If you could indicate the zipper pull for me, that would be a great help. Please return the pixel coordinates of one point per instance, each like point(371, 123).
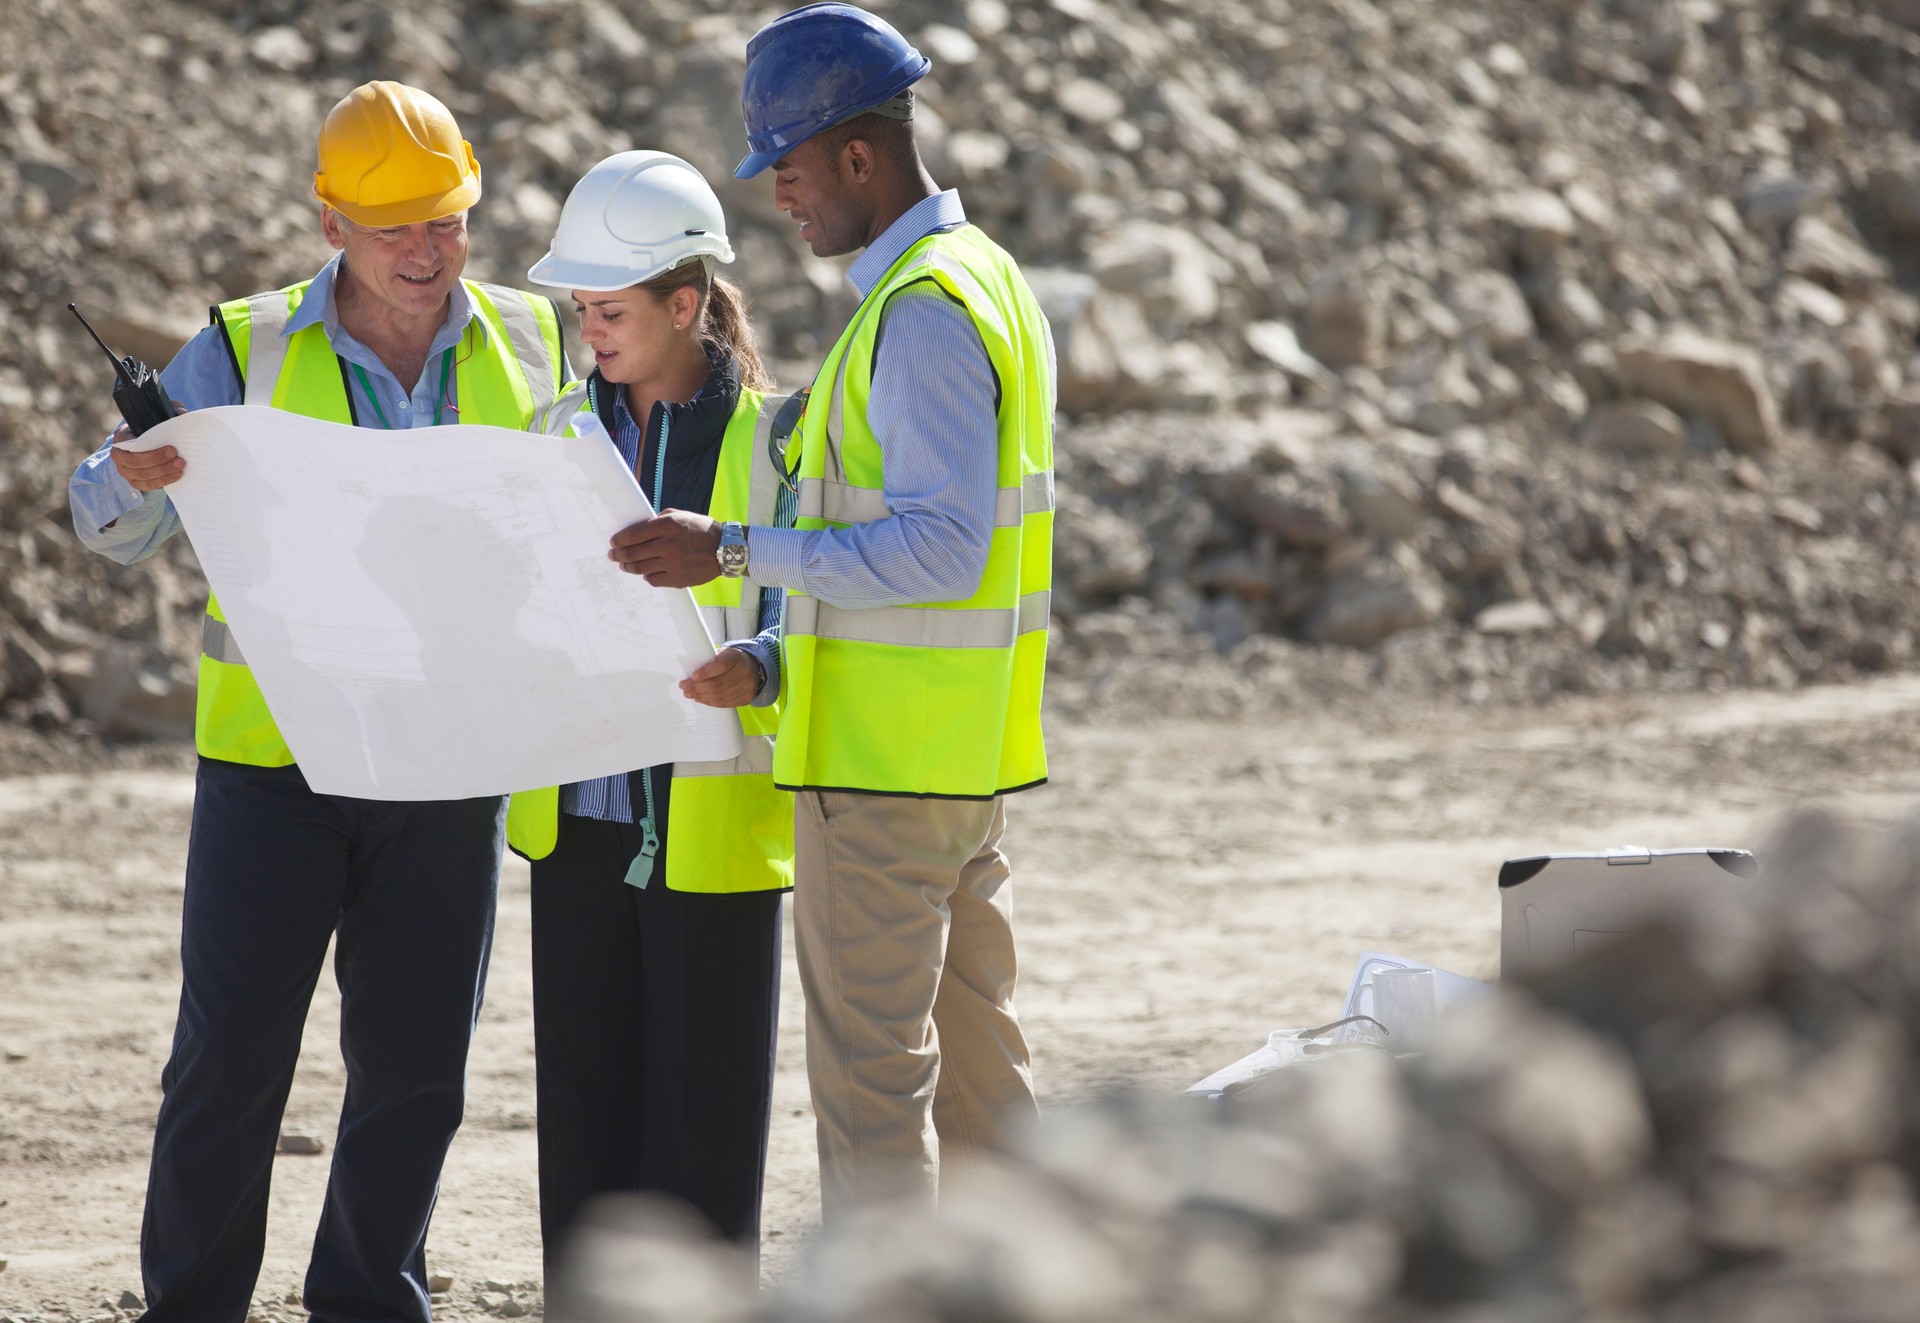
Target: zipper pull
point(640, 871)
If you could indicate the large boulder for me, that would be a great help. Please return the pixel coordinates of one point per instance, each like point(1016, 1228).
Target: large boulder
point(1635, 427)
point(1172, 274)
point(1490, 305)
point(1893, 190)
point(1375, 600)
point(1718, 380)
point(1100, 553)
point(1343, 326)
point(1108, 356)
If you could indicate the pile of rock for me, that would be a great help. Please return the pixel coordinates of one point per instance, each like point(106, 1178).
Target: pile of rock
point(1569, 241)
point(1469, 564)
point(1696, 1128)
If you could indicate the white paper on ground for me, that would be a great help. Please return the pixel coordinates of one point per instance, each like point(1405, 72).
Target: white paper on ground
point(1449, 989)
point(430, 613)
point(1284, 1048)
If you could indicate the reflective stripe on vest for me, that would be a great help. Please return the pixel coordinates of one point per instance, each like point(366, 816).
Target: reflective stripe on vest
point(938, 698)
point(267, 316)
point(731, 829)
point(526, 334)
point(919, 627)
point(841, 503)
point(217, 642)
point(755, 760)
point(498, 377)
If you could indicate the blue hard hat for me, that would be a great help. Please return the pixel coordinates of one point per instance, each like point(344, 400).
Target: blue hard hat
point(814, 67)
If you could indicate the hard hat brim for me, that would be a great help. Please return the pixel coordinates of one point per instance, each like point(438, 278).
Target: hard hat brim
point(754, 162)
point(558, 273)
point(413, 211)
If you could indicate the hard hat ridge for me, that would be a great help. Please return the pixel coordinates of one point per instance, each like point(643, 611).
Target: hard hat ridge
point(632, 217)
point(815, 67)
point(390, 154)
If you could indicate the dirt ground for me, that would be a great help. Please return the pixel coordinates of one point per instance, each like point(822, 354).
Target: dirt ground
point(1182, 889)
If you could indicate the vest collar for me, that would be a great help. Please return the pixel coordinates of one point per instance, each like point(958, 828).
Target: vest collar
point(929, 215)
point(693, 426)
point(317, 306)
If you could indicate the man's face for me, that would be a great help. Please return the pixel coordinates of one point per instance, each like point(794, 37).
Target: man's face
point(407, 269)
point(812, 187)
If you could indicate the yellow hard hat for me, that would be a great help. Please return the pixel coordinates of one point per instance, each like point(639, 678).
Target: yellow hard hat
point(391, 155)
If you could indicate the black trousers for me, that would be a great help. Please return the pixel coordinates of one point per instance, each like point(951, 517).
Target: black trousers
point(654, 1015)
point(273, 871)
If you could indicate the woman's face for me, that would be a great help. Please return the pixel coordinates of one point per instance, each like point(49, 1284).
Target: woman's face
point(631, 332)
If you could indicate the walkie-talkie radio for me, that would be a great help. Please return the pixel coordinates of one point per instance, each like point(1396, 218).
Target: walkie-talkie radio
point(142, 400)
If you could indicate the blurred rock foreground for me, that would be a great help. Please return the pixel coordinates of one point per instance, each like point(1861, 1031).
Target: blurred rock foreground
point(1705, 1128)
point(1500, 349)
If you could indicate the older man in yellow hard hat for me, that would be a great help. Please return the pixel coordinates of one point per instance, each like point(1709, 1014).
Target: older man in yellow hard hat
point(387, 335)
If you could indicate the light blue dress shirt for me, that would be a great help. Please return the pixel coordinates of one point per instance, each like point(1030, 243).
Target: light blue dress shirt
point(934, 411)
point(115, 520)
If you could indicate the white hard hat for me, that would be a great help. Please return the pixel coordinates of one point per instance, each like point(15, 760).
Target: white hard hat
point(631, 217)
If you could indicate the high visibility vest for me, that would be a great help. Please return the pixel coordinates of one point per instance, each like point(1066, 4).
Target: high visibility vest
point(730, 829)
point(505, 381)
point(938, 698)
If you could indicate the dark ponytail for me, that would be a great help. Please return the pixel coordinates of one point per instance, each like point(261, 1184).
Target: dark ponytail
point(723, 314)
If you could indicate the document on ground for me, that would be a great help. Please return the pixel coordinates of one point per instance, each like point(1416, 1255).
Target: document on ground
point(430, 613)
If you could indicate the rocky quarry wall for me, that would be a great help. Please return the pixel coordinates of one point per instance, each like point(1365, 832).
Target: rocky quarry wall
point(1406, 346)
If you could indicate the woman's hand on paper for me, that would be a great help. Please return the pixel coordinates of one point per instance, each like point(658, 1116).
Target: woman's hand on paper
point(730, 679)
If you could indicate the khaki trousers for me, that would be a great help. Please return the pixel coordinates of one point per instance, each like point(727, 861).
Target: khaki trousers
point(903, 930)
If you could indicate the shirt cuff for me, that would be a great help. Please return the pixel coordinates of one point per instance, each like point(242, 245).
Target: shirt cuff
point(102, 498)
point(777, 556)
point(769, 670)
point(126, 509)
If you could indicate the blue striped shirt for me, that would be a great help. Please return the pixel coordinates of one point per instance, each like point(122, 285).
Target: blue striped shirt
point(610, 798)
point(933, 410)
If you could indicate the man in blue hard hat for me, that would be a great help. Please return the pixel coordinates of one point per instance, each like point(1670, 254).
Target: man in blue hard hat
point(918, 578)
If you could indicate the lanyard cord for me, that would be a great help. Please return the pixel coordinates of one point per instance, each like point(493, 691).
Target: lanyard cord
point(660, 456)
point(440, 400)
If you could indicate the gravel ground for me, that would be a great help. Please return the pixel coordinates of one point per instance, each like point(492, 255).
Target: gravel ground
point(1183, 888)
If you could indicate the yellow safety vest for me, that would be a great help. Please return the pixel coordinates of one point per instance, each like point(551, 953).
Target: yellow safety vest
point(504, 379)
point(731, 829)
point(939, 698)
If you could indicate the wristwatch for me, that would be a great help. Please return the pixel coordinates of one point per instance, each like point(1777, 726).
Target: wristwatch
point(759, 671)
point(732, 551)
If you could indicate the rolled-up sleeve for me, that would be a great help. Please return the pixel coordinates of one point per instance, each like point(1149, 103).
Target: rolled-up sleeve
point(109, 516)
point(934, 412)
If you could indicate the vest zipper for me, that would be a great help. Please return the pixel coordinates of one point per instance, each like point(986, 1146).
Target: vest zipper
point(640, 871)
point(660, 462)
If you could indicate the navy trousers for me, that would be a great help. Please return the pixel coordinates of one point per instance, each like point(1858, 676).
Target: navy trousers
point(654, 1015)
point(273, 871)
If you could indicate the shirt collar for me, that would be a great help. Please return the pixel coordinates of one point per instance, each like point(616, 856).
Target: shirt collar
point(719, 392)
point(318, 306)
point(942, 211)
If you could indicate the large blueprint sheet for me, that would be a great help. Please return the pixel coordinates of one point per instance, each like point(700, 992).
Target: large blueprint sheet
point(431, 613)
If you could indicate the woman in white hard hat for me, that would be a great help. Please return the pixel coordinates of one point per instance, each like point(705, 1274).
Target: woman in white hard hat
point(656, 954)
